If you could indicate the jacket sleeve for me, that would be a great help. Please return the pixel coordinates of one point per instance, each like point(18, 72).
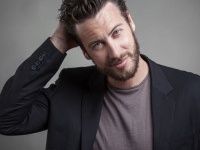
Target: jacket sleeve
point(23, 100)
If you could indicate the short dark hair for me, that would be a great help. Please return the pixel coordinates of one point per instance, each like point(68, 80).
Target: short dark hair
point(73, 12)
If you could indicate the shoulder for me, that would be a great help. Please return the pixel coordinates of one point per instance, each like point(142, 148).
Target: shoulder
point(178, 79)
point(78, 72)
point(79, 75)
point(174, 76)
point(181, 77)
point(185, 83)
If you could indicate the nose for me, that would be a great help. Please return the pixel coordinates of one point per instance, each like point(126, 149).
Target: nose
point(113, 50)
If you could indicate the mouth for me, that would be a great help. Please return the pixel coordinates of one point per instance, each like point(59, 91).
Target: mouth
point(120, 63)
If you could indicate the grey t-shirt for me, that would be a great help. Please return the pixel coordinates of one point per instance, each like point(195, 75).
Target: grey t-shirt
point(125, 122)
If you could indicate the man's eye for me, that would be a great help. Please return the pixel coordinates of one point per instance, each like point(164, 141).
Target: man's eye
point(116, 32)
point(97, 45)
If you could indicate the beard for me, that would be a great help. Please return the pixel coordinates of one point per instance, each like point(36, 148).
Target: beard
point(122, 74)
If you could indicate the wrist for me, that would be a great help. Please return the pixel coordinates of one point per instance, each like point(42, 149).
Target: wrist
point(60, 44)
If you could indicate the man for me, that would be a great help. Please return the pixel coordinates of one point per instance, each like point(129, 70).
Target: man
point(124, 102)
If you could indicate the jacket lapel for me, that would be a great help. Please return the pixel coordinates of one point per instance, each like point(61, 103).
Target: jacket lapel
point(162, 115)
point(162, 107)
point(91, 110)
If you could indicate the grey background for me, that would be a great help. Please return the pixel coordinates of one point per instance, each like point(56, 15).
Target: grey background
point(167, 30)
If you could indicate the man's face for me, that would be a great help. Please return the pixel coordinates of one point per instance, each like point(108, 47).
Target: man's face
point(110, 42)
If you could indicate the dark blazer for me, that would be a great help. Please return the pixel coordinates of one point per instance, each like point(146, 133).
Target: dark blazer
point(70, 109)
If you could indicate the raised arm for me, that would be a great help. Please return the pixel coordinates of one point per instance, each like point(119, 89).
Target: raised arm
point(23, 101)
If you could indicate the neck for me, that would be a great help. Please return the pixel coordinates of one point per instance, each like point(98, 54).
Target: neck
point(139, 76)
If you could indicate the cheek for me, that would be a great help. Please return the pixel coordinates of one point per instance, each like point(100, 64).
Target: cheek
point(126, 42)
point(99, 58)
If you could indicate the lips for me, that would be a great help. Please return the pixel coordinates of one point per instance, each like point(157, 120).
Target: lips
point(119, 63)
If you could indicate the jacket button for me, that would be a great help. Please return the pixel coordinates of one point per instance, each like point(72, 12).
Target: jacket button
point(33, 67)
point(41, 58)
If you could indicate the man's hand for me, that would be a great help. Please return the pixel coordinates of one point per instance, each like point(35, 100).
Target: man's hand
point(62, 40)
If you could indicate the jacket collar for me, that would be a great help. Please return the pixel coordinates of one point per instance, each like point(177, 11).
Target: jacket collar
point(158, 78)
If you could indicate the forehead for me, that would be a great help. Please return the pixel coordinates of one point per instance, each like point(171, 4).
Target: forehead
point(104, 21)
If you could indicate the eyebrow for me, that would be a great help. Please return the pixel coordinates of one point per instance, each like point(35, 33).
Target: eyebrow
point(96, 41)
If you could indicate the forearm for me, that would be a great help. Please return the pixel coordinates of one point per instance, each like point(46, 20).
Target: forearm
point(21, 93)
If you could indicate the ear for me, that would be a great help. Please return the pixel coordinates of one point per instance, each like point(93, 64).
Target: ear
point(86, 55)
point(130, 21)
